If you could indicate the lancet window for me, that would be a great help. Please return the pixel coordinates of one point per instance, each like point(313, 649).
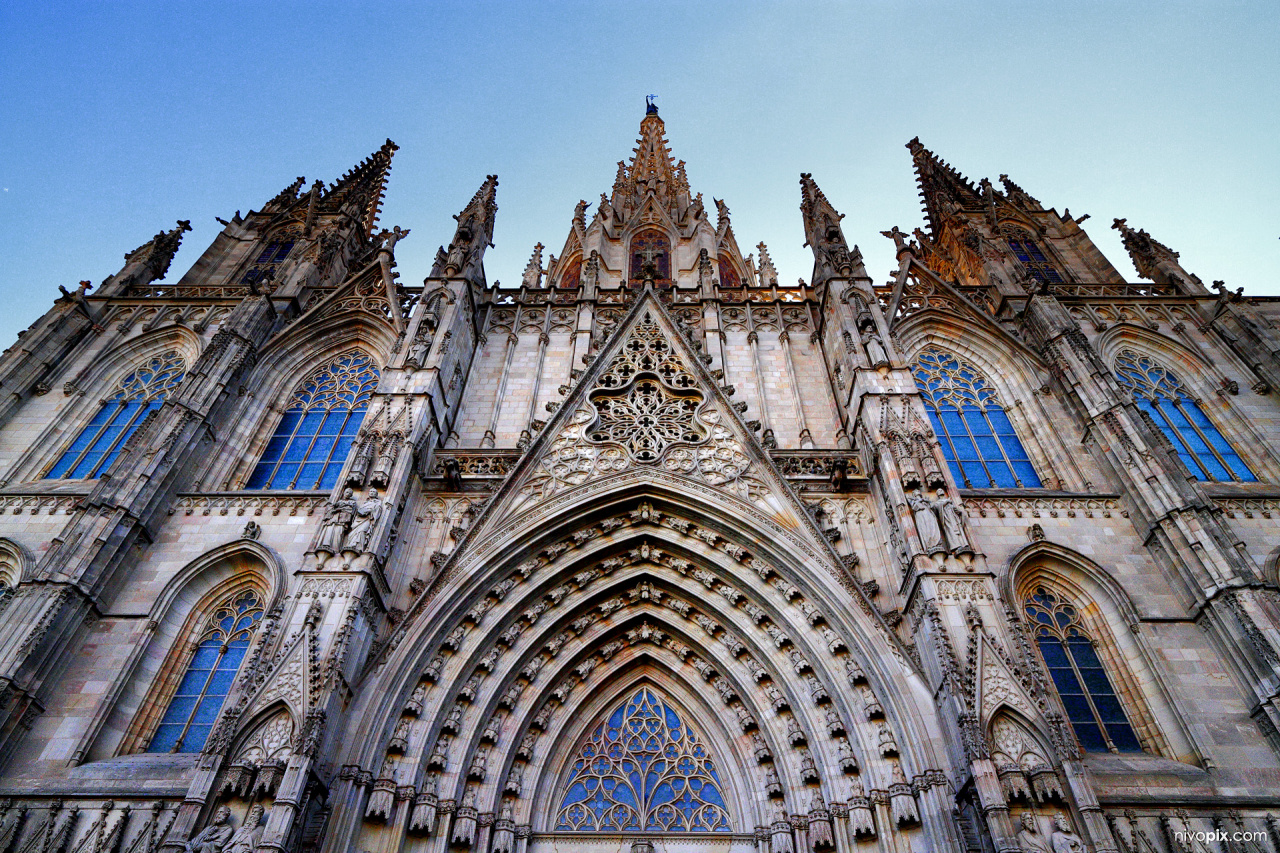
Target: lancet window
point(1027, 250)
point(268, 261)
point(310, 444)
point(1161, 394)
point(138, 395)
point(219, 650)
point(643, 770)
point(978, 440)
point(1071, 655)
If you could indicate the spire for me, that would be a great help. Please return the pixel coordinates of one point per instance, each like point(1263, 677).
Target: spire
point(768, 272)
point(288, 195)
point(474, 232)
point(942, 187)
point(157, 253)
point(823, 233)
point(1152, 259)
point(533, 270)
point(362, 187)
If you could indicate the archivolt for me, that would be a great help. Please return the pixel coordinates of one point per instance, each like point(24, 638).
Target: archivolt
point(501, 667)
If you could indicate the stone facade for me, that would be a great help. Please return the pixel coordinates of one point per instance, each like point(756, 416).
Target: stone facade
point(649, 493)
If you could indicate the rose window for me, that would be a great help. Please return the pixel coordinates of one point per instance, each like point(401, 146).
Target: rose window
point(646, 419)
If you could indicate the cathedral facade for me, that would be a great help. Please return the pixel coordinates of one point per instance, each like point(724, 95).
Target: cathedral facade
point(648, 552)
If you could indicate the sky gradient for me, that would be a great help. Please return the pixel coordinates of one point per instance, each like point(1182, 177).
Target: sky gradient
point(118, 119)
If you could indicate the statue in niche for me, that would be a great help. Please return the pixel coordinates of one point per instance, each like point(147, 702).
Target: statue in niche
point(953, 522)
point(1063, 839)
point(213, 837)
point(926, 519)
point(246, 838)
point(420, 347)
point(1030, 838)
point(337, 520)
point(367, 514)
point(877, 356)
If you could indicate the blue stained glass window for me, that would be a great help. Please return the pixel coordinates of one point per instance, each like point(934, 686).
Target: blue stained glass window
point(1092, 706)
point(643, 770)
point(1161, 394)
point(1028, 251)
point(268, 260)
point(139, 394)
point(311, 441)
point(977, 438)
point(218, 654)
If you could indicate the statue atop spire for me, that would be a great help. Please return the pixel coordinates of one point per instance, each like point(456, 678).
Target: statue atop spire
point(831, 256)
point(465, 255)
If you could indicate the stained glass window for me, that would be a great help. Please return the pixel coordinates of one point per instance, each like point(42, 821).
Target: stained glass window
point(643, 770)
point(99, 443)
point(310, 443)
point(650, 247)
point(1095, 712)
point(1160, 394)
point(1027, 250)
point(219, 651)
point(977, 438)
point(269, 259)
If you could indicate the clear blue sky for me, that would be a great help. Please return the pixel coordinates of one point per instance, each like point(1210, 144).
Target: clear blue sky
point(119, 118)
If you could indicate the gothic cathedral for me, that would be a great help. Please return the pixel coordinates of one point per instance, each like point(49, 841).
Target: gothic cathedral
point(651, 552)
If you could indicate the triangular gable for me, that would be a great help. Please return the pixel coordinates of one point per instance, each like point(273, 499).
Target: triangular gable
point(368, 290)
point(646, 400)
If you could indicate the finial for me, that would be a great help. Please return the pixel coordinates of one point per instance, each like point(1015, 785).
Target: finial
point(650, 108)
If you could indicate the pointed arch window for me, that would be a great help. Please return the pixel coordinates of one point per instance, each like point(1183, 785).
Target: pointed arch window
point(138, 395)
point(310, 444)
point(643, 770)
point(268, 261)
point(1071, 655)
point(219, 651)
point(1027, 250)
point(978, 440)
point(1161, 394)
point(650, 256)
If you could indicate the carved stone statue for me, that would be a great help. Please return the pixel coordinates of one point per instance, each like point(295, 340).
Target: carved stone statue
point(1063, 839)
point(337, 520)
point(953, 521)
point(246, 838)
point(213, 837)
point(420, 347)
point(367, 514)
point(876, 354)
point(926, 523)
point(1030, 839)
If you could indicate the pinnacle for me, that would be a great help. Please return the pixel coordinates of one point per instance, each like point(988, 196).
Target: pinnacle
point(938, 180)
point(364, 185)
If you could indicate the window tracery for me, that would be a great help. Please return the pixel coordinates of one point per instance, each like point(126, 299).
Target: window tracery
point(1161, 394)
point(269, 260)
point(643, 769)
point(978, 440)
point(310, 444)
point(139, 394)
point(1095, 712)
point(1027, 250)
point(219, 651)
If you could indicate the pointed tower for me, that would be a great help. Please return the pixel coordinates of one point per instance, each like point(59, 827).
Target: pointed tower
point(1155, 261)
point(465, 256)
point(299, 241)
point(823, 234)
point(1003, 241)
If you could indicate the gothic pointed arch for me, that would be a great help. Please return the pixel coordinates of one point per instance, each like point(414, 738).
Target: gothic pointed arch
point(119, 416)
point(978, 439)
point(1069, 604)
point(318, 426)
point(183, 615)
